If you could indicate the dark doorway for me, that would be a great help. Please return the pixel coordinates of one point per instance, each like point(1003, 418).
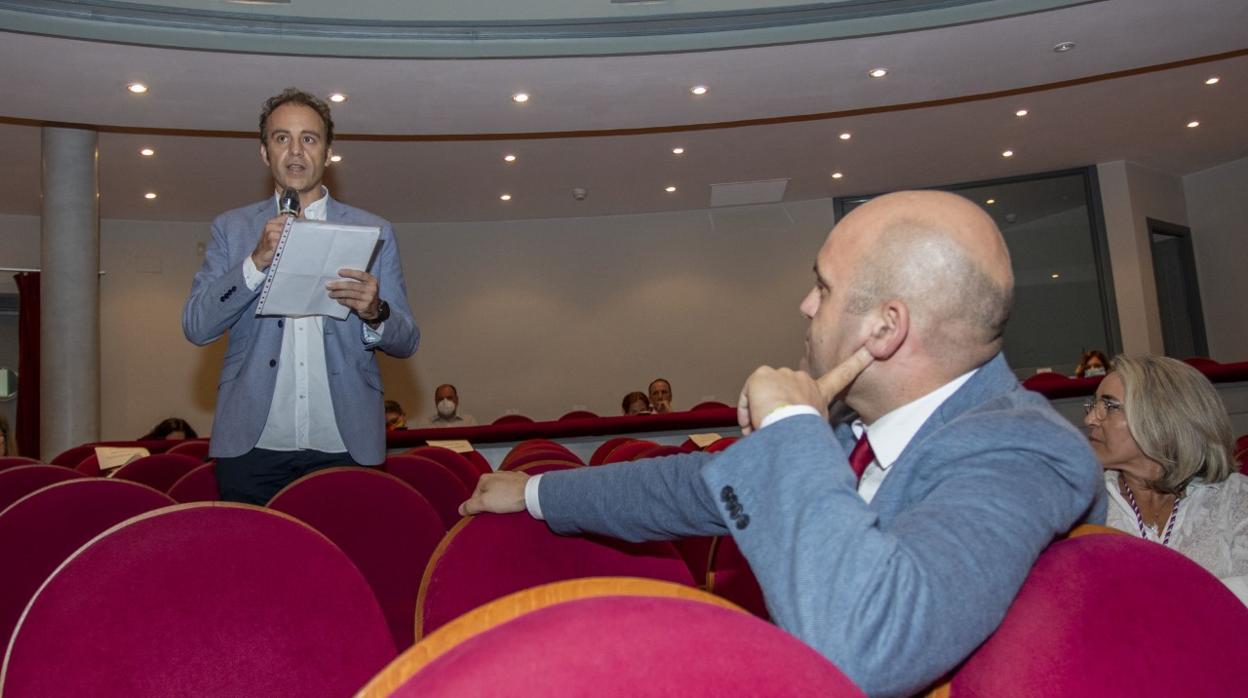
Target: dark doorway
point(1178, 292)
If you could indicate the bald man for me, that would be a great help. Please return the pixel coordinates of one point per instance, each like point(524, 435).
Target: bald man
point(893, 540)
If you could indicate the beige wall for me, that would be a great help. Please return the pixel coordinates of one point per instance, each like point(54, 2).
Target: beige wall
point(1130, 194)
point(1217, 201)
point(545, 316)
point(535, 316)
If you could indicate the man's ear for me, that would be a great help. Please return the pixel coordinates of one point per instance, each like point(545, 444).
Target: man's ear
point(264, 154)
point(329, 153)
point(890, 325)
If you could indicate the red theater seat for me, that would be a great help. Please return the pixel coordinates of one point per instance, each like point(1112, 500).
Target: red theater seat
point(544, 445)
point(212, 600)
point(158, 471)
point(600, 454)
point(730, 576)
point(489, 556)
point(538, 467)
point(513, 419)
point(20, 481)
point(199, 485)
point(70, 458)
point(578, 414)
point(631, 450)
point(89, 466)
point(660, 451)
point(13, 461)
point(434, 482)
point(721, 444)
point(384, 525)
point(535, 454)
point(1103, 615)
point(482, 465)
point(40, 530)
point(709, 405)
point(610, 638)
point(464, 469)
point(195, 448)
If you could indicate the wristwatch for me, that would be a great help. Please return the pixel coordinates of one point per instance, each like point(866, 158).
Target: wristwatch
point(383, 313)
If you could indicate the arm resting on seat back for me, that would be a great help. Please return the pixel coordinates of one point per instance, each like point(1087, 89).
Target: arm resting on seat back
point(652, 499)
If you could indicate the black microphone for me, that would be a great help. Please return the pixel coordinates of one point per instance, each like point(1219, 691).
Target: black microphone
point(289, 202)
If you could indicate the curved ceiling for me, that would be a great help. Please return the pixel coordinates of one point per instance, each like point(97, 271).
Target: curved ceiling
point(423, 140)
point(456, 29)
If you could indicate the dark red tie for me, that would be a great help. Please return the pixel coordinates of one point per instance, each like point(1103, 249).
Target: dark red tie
point(861, 456)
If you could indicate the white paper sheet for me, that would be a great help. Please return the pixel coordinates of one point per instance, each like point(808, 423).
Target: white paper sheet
point(309, 256)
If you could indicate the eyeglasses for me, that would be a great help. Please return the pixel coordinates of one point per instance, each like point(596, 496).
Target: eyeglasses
point(1101, 407)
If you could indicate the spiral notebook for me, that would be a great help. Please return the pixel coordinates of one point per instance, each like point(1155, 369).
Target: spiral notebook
point(309, 255)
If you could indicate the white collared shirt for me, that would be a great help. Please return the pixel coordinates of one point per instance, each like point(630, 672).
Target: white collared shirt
point(888, 436)
point(301, 415)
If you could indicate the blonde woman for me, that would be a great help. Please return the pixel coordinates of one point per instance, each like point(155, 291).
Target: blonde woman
point(1164, 439)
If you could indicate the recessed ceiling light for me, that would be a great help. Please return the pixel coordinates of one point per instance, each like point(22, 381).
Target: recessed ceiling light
point(505, 197)
point(1007, 153)
point(137, 88)
point(669, 189)
point(991, 201)
point(698, 90)
point(150, 195)
point(520, 97)
point(147, 152)
point(877, 72)
point(509, 157)
point(1213, 80)
point(1055, 276)
point(678, 151)
point(335, 158)
point(1021, 112)
point(337, 98)
point(846, 136)
point(837, 175)
point(1064, 46)
point(1193, 124)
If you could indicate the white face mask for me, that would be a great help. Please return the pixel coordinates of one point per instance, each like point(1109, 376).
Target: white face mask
point(1094, 372)
point(446, 407)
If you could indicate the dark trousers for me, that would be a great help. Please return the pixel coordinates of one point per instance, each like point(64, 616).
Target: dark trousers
point(257, 475)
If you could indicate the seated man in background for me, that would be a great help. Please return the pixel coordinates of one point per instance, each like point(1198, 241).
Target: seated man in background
point(894, 541)
point(660, 396)
point(636, 402)
point(446, 401)
point(396, 418)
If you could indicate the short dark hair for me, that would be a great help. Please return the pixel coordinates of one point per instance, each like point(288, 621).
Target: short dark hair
point(294, 95)
point(169, 426)
point(394, 406)
point(656, 380)
point(446, 385)
point(634, 397)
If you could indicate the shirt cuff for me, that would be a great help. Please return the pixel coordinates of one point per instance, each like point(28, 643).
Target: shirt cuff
point(371, 335)
point(531, 501)
point(786, 412)
point(252, 276)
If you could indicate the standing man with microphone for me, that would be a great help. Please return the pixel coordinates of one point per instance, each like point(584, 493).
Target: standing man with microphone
point(296, 394)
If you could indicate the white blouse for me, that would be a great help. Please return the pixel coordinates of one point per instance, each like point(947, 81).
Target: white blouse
point(1211, 528)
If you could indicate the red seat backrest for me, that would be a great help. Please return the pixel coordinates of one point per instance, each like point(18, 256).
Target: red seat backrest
point(383, 524)
point(463, 468)
point(444, 491)
point(20, 481)
point(600, 454)
point(489, 556)
point(40, 530)
point(159, 471)
point(211, 600)
point(199, 485)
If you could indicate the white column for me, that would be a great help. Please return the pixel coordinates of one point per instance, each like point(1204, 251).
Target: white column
point(69, 350)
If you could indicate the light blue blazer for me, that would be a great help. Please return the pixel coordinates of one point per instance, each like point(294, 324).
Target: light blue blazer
point(896, 592)
point(220, 302)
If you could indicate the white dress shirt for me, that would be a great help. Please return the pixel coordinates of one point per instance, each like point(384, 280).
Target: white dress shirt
point(301, 416)
point(888, 436)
